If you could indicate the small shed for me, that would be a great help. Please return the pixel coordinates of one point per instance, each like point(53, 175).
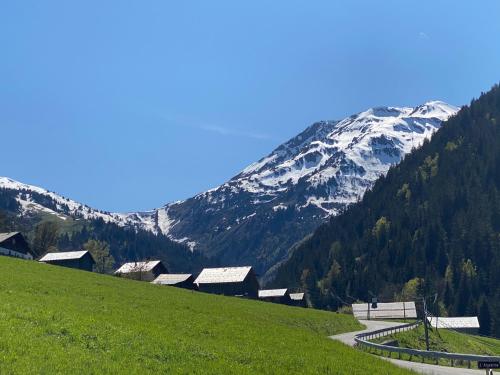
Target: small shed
point(298, 299)
point(82, 260)
point(13, 244)
point(179, 280)
point(275, 295)
point(230, 281)
point(466, 324)
point(142, 271)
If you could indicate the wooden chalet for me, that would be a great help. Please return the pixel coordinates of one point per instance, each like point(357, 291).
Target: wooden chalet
point(142, 271)
point(81, 260)
point(183, 280)
point(230, 281)
point(275, 295)
point(13, 244)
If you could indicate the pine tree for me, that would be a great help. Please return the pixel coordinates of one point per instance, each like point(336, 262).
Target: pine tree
point(484, 317)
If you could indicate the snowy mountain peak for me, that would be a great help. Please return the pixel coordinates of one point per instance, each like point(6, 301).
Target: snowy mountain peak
point(346, 155)
point(258, 214)
point(435, 109)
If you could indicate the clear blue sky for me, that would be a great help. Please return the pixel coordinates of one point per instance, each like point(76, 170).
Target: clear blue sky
point(127, 105)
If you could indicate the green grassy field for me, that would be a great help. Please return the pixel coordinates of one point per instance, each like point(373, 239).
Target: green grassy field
point(447, 341)
point(56, 320)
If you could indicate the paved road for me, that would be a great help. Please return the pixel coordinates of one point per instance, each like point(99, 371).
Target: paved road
point(421, 368)
point(371, 325)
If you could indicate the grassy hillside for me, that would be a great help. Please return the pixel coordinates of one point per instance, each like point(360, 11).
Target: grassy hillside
point(56, 320)
point(447, 341)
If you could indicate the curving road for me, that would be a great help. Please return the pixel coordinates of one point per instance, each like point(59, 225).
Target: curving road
point(421, 368)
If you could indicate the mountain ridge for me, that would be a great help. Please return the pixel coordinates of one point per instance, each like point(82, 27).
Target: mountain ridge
point(258, 214)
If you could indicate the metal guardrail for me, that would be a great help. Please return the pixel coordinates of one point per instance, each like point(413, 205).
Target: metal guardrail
point(361, 340)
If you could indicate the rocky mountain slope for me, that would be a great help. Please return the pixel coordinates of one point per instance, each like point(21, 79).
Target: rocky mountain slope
point(255, 217)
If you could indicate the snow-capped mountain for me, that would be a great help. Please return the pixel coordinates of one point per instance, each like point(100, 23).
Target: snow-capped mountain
point(338, 160)
point(256, 216)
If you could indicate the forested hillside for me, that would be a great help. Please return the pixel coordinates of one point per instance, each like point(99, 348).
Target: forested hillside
point(431, 225)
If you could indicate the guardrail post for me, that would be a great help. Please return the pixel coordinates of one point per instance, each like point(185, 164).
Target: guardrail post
point(452, 362)
point(468, 364)
point(399, 355)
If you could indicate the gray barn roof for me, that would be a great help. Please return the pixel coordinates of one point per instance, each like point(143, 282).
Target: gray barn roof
point(67, 255)
point(297, 296)
point(269, 293)
point(6, 236)
point(223, 275)
point(132, 267)
point(171, 279)
point(454, 322)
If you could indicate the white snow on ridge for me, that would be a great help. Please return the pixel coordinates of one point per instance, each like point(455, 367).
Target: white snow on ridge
point(155, 221)
point(68, 208)
point(63, 205)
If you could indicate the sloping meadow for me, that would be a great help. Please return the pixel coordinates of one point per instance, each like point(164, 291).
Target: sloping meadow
point(57, 320)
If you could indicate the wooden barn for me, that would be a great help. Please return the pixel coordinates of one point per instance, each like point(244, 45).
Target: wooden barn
point(230, 281)
point(179, 280)
point(13, 244)
point(298, 299)
point(142, 271)
point(82, 260)
point(275, 295)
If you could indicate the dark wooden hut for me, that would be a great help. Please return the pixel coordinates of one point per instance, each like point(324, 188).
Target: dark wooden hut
point(82, 260)
point(275, 295)
point(298, 299)
point(13, 244)
point(183, 280)
point(230, 281)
